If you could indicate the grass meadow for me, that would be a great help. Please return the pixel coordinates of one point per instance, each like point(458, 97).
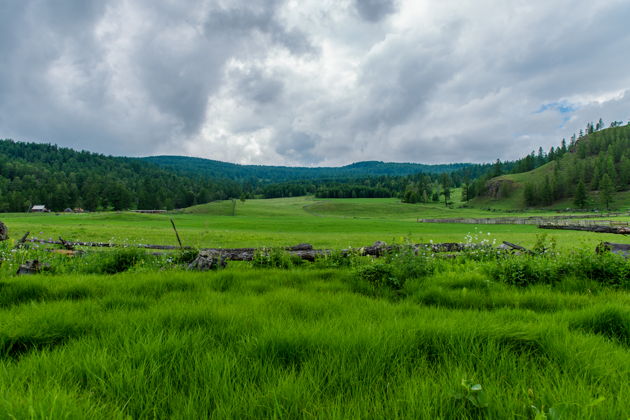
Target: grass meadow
point(335, 223)
point(480, 336)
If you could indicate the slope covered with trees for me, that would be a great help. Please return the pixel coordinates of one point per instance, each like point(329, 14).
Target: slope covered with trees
point(33, 173)
point(589, 172)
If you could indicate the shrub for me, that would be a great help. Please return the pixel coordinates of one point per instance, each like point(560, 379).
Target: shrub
point(549, 268)
point(379, 275)
point(524, 270)
point(606, 267)
point(407, 265)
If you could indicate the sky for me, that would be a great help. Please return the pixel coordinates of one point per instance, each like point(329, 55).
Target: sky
point(312, 82)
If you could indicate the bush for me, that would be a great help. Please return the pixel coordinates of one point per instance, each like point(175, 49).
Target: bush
point(379, 275)
point(525, 270)
point(407, 265)
point(395, 268)
point(606, 268)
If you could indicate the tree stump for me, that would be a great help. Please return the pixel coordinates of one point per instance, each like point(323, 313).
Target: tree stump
point(4, 232)
point(208, 260)
point(32, 267)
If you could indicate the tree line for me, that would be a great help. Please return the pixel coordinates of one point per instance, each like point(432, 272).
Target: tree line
point(60, 178)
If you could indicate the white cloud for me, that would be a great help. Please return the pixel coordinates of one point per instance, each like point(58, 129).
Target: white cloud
point(312, 82)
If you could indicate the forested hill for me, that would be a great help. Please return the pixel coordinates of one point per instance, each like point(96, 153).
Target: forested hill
point(592, 171)
point(271, 174)
point(35, 173)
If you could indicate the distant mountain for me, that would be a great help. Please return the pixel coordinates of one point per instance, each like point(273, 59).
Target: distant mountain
point(270, 174)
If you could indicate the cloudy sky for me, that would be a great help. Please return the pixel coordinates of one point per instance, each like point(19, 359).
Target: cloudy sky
point(312, 82)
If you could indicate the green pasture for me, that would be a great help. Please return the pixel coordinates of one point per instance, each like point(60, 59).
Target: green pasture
point(328, 223)
point(308, 343)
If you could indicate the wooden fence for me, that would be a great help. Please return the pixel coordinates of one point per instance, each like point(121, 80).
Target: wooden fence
point(533, 220)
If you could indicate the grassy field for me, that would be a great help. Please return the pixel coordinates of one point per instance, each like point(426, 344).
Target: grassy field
point(481, 336)
point(284, 222)
point(307, 343)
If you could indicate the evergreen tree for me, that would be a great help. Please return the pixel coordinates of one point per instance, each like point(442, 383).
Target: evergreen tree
point(581, 199)
point(530, 195)
point(547, 192)
point(497, 169)
point(606, 191)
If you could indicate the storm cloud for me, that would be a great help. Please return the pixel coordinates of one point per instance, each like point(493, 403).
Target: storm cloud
point(312, 82)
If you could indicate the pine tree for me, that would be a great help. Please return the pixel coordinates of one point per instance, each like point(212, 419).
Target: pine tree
point(581, 199)
point(530, 195)
point(606, 191)
point(547, 192)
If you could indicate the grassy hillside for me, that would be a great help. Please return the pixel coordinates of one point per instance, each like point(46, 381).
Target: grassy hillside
point(593, 160)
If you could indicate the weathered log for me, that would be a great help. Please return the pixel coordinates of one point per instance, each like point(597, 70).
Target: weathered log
point(22, 240)
point(4, 232)
point(300, 247)
point(67, 245)
point(304, 251)
point(619, 249)
point(517, 247)
point(104, 244)
point(621, 230)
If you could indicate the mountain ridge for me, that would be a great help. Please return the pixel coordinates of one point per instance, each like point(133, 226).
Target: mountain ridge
point(276, 173)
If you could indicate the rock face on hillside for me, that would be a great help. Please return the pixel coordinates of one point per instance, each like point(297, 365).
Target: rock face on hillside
point(500, 188)
point(4, 232)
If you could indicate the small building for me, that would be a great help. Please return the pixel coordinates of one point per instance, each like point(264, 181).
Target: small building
point(39, 208)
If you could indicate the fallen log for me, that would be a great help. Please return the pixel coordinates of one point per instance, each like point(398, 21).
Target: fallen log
point(104, 244)
point(304, 251)
point(620, 230)
point(619, 249)
point(67, 245)
point(22, 240)
point(517, 247)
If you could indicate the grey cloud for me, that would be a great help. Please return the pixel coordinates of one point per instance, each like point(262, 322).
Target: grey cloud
point(258, 87)
point(375, 10)
point(250, 18)
point(302, 83)
point(298, 146)
point(402, 77)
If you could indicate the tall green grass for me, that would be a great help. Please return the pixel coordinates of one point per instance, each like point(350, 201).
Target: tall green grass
point(306, 343)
